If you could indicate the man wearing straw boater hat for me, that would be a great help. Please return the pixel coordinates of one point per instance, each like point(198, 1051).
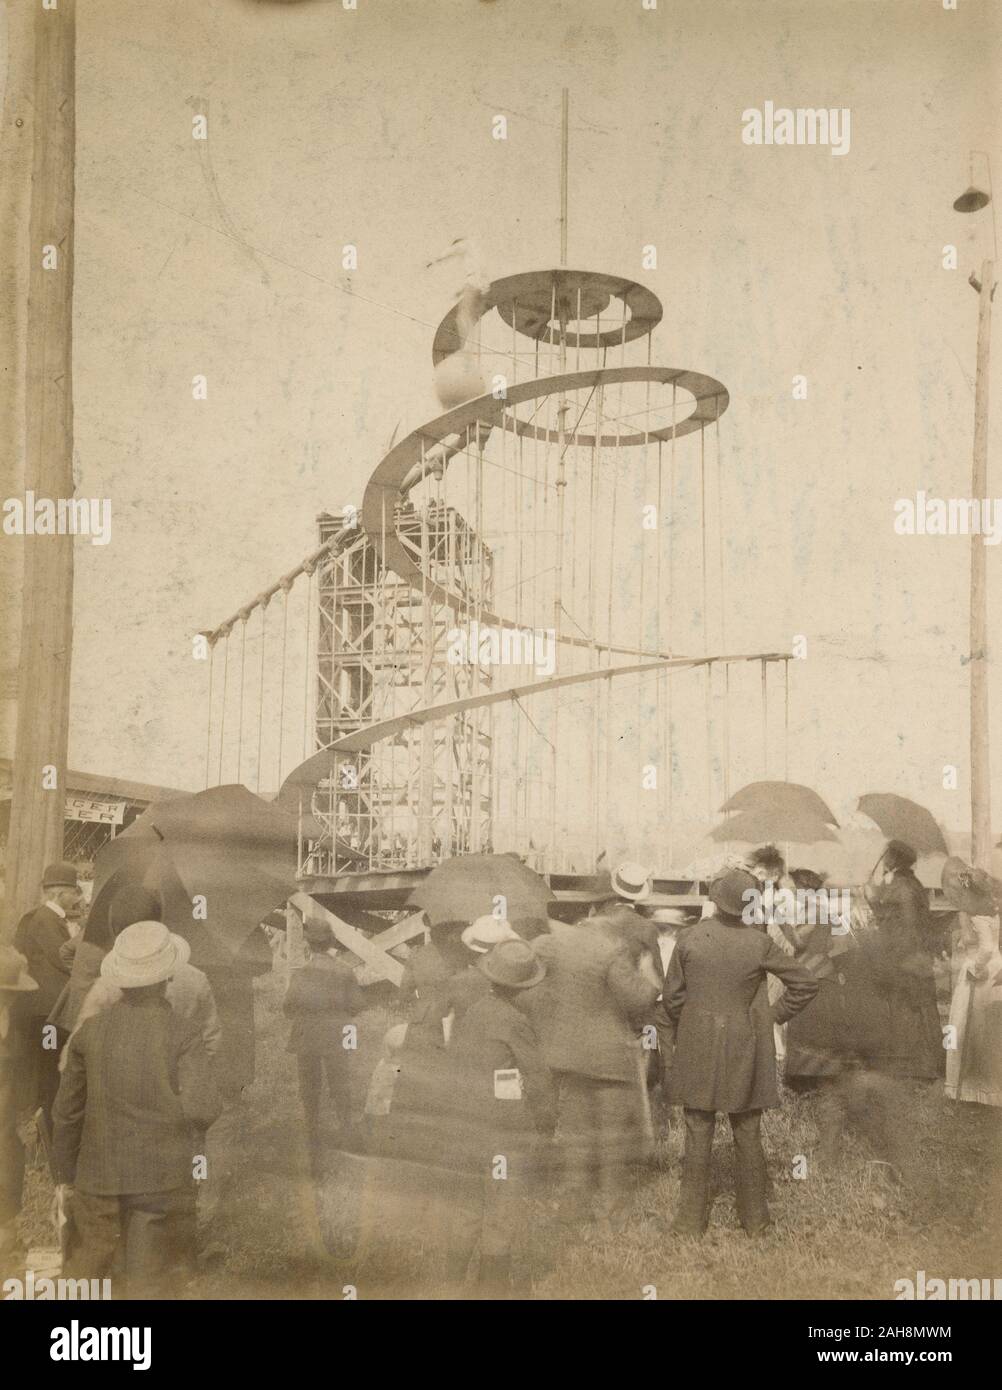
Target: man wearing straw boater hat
point(128, 1124)
point(14, 981)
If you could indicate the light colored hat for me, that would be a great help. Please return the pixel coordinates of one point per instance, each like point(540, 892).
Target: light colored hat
point(486, 932)
point(13, 975)
point(632, 881)
point(144, 954)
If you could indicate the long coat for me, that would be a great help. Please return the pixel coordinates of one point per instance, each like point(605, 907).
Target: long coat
point(188, 993)
point(424, 1091)
point(39, 936)
point(493, 1036)
point(85, 971)
point(904, 945)
point(136, 1091)
point(847, 1022)
point(597, 1000)
point(724, 1048)
point(322, 997)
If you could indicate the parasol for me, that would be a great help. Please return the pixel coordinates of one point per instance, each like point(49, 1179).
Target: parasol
point(225, 844)
point(901, 819)
point(463, 889)
point(786, 811)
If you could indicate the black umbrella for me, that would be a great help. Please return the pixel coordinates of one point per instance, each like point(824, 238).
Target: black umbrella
point(225, 845)
point(470, 886)
point(785, 811)
point(901, 819)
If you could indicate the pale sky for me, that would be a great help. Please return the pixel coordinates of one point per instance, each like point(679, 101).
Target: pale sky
point(373, 127)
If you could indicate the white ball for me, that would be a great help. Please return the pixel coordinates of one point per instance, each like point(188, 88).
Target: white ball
point(458, 378)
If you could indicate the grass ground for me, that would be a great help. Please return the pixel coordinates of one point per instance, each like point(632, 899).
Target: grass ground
point(848, 1236)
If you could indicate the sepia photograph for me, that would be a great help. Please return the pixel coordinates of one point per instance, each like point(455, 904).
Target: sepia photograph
point(500, 667)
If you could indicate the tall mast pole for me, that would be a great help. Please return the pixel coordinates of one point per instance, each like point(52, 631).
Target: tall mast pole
point(564, 108)
point(981, 813)
point(39, 775)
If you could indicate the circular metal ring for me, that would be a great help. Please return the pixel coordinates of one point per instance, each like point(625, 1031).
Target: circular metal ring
point(405, 465)
point(529, 303)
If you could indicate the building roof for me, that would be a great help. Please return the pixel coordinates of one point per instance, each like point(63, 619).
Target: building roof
point(144, 792)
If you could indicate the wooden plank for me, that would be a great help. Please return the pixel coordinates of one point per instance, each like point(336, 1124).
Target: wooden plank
point(407, 930)
point(367, 951)
point(36, 818)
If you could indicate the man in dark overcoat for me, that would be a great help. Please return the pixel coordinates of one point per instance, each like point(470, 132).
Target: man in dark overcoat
point(504, 1098)
point(43, 936)
point(323, 999)
point(724, 1049)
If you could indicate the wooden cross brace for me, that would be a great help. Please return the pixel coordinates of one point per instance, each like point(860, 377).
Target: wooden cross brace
point(373, 952)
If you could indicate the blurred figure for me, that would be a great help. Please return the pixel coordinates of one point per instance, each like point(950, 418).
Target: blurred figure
point(324, 998)
point(444, 980)
point(769, 868)
point(135, 1098)
point(835, 1045)
point(974, 1062)
point(188, 991)
point(597, 1001)
point(907, 940)
point(505, 1097)
point(40, 937)
point(129, 905)
point(724, 1057)
point(14, 981)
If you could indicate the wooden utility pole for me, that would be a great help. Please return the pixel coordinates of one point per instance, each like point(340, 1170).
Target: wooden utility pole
point(981, 811)
point(39, 776)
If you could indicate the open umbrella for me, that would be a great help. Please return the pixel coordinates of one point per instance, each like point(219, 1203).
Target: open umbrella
point(784, 811)
point(788, 798)
point(901, 819)
point(462, 889)
point(757, 827)
point(225, 845)
point(136, 858)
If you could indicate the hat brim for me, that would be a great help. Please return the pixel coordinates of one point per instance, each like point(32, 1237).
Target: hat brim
point(137, 978)
point(977, 900)
point(637, 895)
point(538, 973)
point(23, 985)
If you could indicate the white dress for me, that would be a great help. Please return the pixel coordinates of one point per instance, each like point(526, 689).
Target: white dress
point(974, 1060)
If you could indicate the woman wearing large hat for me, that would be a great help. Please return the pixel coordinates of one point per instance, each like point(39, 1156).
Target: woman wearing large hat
point(974, 1042)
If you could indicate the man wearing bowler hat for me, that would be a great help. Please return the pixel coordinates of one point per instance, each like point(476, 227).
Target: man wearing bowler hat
point(128, 1123)
point(724, 1053)
point(40, 936)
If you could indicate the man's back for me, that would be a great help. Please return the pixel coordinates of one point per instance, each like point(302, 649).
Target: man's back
point(598, 1000)
point(40, 933)
point(322, 997)
point(189, 994)
point(135, 1086)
